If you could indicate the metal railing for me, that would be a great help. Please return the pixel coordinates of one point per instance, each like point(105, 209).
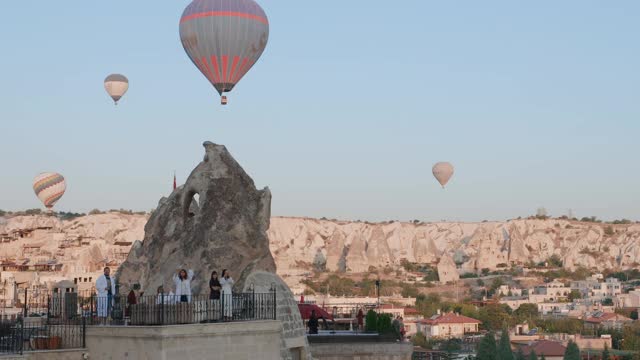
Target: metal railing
point(57, 320)
point(173, 310)
point(32, 333)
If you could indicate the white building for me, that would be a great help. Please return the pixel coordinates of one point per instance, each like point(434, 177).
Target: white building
point(554, 308)
point(551, 292)
point(508, 290)
point(630, 300)
point(448, 326)
point(596, 290)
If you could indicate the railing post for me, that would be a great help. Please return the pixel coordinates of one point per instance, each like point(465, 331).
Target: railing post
point(25, 302)
point(162, 308)
point(21, 341)
point(275, 298)
point(91, 307)
point(84, 332)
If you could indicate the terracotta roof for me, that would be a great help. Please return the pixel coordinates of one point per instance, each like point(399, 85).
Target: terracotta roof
point(410, 311)
point(546, 348)
point(602, 317)
point(450, 318)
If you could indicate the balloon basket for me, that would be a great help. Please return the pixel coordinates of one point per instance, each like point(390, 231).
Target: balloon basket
point(223, 100)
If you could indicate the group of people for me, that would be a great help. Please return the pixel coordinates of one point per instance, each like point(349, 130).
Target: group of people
point(220, 290)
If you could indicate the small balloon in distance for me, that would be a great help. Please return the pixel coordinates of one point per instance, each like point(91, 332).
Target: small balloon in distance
point(443, 171)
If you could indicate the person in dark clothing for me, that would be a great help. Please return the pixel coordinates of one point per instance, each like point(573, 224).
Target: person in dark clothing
point(131, 300)
point(214, 286)
point(215, 289)
point(313, 323)
point(360, 318)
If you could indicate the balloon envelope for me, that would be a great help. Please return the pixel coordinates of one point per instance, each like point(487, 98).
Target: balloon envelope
point(49, 188)
point(116, 86)
point(224, 38)
point(443, 171)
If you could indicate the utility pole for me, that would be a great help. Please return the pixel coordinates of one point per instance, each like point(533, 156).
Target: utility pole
point(378, 292)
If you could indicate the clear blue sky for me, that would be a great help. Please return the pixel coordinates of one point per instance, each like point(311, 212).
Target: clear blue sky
point(536, 104)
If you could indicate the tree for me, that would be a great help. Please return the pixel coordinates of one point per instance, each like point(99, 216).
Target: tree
point(371, 322)
point(554, 261)
point(572, 352)
point(519, 355)
point(605, 353)
point(542, 357)
point(384, 324)
point(497, 282)
point(487, 348)
point(607, 302)
point(575, 294)
point(526, 312)
point(504, 346)
point(533, 355)
point(419, 340)
point(495, 316)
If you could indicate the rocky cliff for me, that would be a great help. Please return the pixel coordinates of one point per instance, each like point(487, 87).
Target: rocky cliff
point(81, 245)
point(301, 244)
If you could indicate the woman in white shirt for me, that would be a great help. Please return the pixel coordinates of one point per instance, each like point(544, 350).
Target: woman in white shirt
point(182, 279)
point(227, 294)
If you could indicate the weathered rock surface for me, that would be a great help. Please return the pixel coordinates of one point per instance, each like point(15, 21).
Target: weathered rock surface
point(447, 271)
point(81, 245)
point(217, 220)
point(299, 245)
point(303, 244)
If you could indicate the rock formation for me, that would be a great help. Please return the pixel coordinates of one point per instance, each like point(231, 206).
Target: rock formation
point(447, 271)
point(217, 220)
point(301, 244)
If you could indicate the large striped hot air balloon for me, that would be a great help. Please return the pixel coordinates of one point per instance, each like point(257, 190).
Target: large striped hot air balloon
point(224, 38)
point(49, 188)
point(443, 171)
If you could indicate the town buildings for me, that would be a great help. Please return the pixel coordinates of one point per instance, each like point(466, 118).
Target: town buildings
point(448, 325)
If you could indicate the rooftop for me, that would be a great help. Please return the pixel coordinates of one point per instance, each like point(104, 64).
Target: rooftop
point(450, 318)
point(545, 347)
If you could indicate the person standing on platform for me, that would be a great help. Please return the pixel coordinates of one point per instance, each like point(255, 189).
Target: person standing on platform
point(182, 279)
point(105, 290)
point(227, 294)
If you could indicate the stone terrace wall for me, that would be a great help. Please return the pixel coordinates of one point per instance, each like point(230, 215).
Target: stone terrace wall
point(255, 340)
point(362, 351)
point(294, 339)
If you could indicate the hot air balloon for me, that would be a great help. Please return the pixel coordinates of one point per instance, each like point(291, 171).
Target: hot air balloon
point(116, 86)
point(49, 188)
point(224, 38)
point(443, 172)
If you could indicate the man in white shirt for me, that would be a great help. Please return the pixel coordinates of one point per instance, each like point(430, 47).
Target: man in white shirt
point(105, 289)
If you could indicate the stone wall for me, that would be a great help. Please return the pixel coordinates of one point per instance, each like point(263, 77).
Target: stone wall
point(294, 343)
point(76, 354)
point(257, 340)
point(362, 351)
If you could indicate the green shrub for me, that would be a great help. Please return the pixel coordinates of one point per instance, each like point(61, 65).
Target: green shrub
point(371, 321)
point(384, 324)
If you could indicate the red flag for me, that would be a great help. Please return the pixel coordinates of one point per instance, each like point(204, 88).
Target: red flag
point(174, 181)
